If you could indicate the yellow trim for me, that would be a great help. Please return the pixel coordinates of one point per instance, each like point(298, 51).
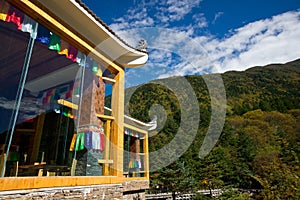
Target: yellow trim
point(135, 128)
point(67, 103)
point(22, 183)
point(117, 136)
point(101, 161)
point(27, 130)
point(105, 117)
point(109, 80)
point(146, 156)
point(107, 147)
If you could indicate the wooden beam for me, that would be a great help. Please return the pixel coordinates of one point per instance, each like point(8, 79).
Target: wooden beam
point(37, 138)
point(146, 156)
point(67, 104)
point(102, 161)
point(107, 147)
point(105, 117)
point(108, 80)
point(117, 137)
point(2, 166)
point(23, 183)
point(135, 128)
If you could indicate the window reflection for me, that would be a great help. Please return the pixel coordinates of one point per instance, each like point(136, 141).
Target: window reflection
point(50, 119)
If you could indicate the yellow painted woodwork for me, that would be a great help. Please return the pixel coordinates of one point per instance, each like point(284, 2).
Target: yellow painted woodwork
point(146, 156)
point(20, 183)
point(117, 136)
point(37, 138)
point(73, 167)
point(101, 161)
point(2, 166)
point(105, 117)
point(25, 130)
point(67, 104)
point(107, 146)
point(108, 80)
point(135, 128)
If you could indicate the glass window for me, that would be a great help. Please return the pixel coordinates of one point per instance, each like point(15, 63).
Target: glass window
point(49, 124)
point(13, 48)
point(133, 154)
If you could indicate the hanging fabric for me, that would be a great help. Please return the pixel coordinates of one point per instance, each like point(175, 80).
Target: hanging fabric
point(76, 88)
point(80, 58)
point(54, 43)
point(64, 48)
point(4, 7)
point(79, 142)
point(28, 26)
point(43, 35)
point(139, 164)
point(73, 141)
point(15, 16)
point(88, 140)
point(72, 53)
point(130, 165)
point(102, 141)
point(96, 141)
point(96, 69)
point(89, 63)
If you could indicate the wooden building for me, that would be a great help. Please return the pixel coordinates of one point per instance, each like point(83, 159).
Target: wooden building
point(57, 130)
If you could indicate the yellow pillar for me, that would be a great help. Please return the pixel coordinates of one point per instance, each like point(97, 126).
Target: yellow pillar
point(146, 158)
point(107, 147)
point(117, 135)
point(37, 138)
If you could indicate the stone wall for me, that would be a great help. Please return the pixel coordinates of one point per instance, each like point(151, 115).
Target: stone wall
point(131, 190)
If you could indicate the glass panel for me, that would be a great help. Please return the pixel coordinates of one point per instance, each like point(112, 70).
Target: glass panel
point(133, 154)
point(142, 145)
point(46, 122)
point(126, 153)
point(57, 131)
point(13, 47)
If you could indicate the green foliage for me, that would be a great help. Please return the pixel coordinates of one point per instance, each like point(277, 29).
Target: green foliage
point(234, 195)
point(200, 197)
point(176, 178)
point(259, 145)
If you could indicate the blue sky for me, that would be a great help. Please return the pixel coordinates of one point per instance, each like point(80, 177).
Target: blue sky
point(204, 36)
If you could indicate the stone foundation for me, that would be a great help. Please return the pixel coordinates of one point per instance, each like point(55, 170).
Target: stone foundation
point(131, 190)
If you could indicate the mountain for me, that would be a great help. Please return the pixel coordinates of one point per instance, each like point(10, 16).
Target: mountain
point(259, 144)
point(273, 87)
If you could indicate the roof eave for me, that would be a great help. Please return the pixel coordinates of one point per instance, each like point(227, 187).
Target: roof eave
point(96, 32)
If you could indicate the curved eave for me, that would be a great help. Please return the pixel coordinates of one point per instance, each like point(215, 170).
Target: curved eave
point(79, 18)
point(136, 123)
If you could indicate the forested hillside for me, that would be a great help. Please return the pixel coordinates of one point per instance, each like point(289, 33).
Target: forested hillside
point(259, 147)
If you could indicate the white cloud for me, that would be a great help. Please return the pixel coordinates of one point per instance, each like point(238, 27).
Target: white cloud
point(199, 21)
point(217, 16)
point(272, 40)
point(175, 10)
point(157, 13)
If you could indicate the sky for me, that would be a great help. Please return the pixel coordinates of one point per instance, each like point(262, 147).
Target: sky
point(191, 37)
